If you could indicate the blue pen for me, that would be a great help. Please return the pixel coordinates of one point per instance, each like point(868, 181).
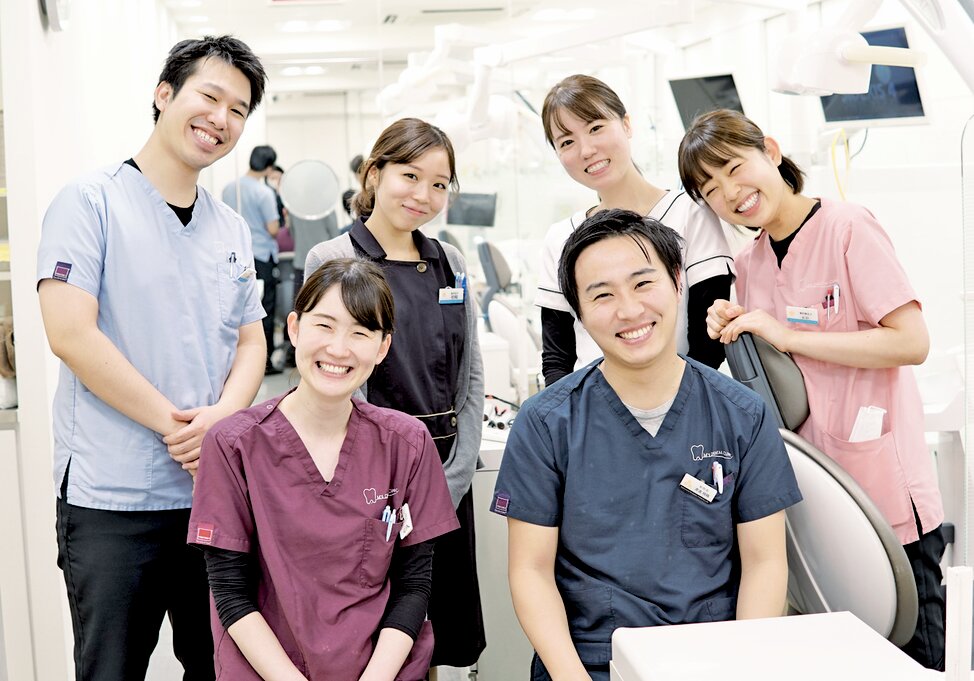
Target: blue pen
point(386, 512)
point(460, 281)
point(389, 521)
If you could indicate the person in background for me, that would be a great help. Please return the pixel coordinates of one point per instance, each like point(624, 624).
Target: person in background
point(317, 512)
point(645, 489)
point(823, 283)
point(434, 369)
point(257, 203)
point(147, 291)
point(587, 125)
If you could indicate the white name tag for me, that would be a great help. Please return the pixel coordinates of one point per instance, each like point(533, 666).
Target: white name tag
point(698, 488)
point(450, 295)
point(407, 522)
point(801, 315)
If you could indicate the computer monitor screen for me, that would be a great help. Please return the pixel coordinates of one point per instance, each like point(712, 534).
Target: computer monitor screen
point(893, 90)
point(695, 96)
point(476, 210)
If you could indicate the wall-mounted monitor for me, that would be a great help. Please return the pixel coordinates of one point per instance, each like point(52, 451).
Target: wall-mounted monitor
point(695, 96)
point(893, 96)
point(474, 210)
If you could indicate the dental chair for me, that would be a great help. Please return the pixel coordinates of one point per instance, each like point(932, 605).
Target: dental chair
point(842, 554)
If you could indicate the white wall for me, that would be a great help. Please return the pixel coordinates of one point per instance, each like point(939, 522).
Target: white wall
point(73, 101)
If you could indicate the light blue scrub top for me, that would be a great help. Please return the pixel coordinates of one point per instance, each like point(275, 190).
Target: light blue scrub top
point(167, 301)
point(634, 550)
point(258, 205)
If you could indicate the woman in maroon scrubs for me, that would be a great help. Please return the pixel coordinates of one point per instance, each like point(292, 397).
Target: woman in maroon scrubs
point(316, 511)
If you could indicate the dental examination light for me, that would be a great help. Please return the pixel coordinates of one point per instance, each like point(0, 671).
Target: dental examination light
point(837, 59)
point(487, 115)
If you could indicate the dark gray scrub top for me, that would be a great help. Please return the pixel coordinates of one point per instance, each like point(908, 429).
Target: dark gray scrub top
point(634, 549)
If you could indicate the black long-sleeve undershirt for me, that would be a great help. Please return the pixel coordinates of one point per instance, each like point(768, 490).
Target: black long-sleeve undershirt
point(558, 353)
point(233, 581)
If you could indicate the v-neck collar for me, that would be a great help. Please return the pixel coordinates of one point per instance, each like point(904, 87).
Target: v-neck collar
point(171, 219)
point(290, 438)
point(673, 415)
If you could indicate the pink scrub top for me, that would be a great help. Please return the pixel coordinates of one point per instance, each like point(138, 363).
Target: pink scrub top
point(844, 244)
point(322, 549)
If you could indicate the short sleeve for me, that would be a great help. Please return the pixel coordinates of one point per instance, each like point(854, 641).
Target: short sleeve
point(221, 514)
point(268, 205)
point(766, 482)
point(430, 506)
point(529, 485)
point(707, 251)
point(878, 281)
point(73, 239)
point(549, 293)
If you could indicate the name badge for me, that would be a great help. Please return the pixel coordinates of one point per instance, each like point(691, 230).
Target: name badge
point(407, 522)
point(450, 295)
point(698, 488)
point(801, 315)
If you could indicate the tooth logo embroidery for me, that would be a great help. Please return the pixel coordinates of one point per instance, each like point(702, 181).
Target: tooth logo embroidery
point(372, 496)
point(697, 453)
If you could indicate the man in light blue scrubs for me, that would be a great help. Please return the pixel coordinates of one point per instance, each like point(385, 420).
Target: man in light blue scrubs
point(645, 488)
point(254, 199)
point(148, 295)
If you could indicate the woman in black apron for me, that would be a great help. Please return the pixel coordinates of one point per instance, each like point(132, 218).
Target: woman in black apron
point(433, 370)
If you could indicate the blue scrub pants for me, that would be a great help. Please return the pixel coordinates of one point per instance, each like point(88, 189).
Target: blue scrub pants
point(124, 571)
point(539, 673)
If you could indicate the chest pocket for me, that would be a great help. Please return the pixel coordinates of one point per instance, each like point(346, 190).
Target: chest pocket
point(832, 315)
point(376, 551)
point(231, 291)
point(705, 525)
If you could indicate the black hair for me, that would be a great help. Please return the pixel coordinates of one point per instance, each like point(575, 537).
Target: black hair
point(715, 138)
point(277, 168)
point(185, 57)
point(262, 158)
point(355, 165)
point(608, 224)
point(365, 292)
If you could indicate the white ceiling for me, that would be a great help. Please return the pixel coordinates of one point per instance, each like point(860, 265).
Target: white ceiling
point(340, 45)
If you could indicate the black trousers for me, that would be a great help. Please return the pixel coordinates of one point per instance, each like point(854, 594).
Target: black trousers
point(124, 571)
point(454, 608)
point(927, 644)
point(268, 273)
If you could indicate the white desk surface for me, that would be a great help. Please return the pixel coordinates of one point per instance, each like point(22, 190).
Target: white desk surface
point(831, 647)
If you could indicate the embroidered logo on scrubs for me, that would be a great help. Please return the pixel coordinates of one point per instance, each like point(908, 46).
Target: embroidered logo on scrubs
point(372, 496)
point(696, 451)
point(501, 502)
point(204, 533)
point(61, 271)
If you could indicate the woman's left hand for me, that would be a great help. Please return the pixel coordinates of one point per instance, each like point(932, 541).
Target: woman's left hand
point(760, 323)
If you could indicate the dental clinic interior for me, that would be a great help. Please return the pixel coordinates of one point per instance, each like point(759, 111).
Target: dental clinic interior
point(872, 99)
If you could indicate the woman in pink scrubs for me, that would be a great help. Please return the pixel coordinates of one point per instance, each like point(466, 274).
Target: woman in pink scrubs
point(316, 511)
point(822, 282)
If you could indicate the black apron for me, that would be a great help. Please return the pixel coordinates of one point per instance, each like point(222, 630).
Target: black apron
point(419, 377)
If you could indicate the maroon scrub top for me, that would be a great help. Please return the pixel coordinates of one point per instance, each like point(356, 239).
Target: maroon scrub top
point(322, 549)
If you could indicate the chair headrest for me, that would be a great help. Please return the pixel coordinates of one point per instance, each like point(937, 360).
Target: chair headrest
point(772, 374)
point(494, 264)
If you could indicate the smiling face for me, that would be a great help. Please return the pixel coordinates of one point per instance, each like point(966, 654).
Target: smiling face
point(202, 122)
point(629, 307)
point(408, 195)
point(334, 353)
point(748, 189)
point(594, 153)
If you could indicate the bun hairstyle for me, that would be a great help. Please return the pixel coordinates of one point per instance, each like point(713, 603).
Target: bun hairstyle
point(713, 138)
point(585, 97)
point(402, 142)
